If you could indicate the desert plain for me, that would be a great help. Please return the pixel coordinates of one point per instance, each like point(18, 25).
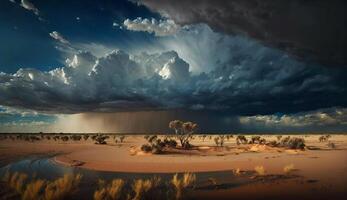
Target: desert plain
point(231, 170)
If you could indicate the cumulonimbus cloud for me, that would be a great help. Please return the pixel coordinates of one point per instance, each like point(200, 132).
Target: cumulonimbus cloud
point(262, 83)
point(303, 28)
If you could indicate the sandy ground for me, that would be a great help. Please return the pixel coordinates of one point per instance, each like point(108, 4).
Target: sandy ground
point(322, 168)
point(126, 156)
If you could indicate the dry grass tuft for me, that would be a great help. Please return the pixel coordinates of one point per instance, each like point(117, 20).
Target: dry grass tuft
point(42, 189)
point(61, 187)
point(288, 168)
point(109, 191)
point(181, 184)
point(237, 172)
point(33, 190)
point(16, 180)
point(260, 170)
point(100, 194)
point(142, 187)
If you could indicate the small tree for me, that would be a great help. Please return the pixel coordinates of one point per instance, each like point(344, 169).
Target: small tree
point(219, 140)
point(183, 131)
point(85, 137)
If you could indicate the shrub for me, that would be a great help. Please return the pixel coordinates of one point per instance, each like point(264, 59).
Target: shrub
point(272, 143)
point(85, 137)
point(324, 138)
point(241, 139)
point(151, 138)
point(157, 145)
point(170, 143)
point(292, 143)
point(146, 148)
point(64, 138)
point(219, 140)
point(100, 139)
point(331, 145)
point(257, 140)
point(76, 137)
point(121, 138)
point(284, 141)
point(94, 136)
point(56, 137)
point(296, 143)
point(204, 137)
point(229, 136)
point(288, 142)
point(33, 138)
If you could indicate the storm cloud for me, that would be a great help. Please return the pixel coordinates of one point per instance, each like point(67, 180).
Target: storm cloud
point(264, 82)
point(310, 30)
point(330, 119)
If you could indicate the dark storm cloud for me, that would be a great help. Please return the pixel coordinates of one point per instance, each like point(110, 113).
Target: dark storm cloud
point(331, 119)
point(310, 29)
point(254, 80)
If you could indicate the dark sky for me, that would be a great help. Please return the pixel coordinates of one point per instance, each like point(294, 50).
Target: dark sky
point(250, 65)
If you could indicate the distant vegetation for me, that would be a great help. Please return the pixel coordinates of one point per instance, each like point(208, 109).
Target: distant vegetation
point(184, 134)
point(219, 140)
point(324, 138)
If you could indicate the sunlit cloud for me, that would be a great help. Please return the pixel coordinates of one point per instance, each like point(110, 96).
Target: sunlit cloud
point(57, 36)
point(29, 6)
point(158, 27)
point(319, 118)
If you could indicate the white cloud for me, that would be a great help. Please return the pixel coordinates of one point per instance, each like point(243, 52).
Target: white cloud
point(159, 28)
point(113, 81)
point(175, 69)
point(14, 111)
point(29, 6)
point(57, 36)
point(96, 49)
